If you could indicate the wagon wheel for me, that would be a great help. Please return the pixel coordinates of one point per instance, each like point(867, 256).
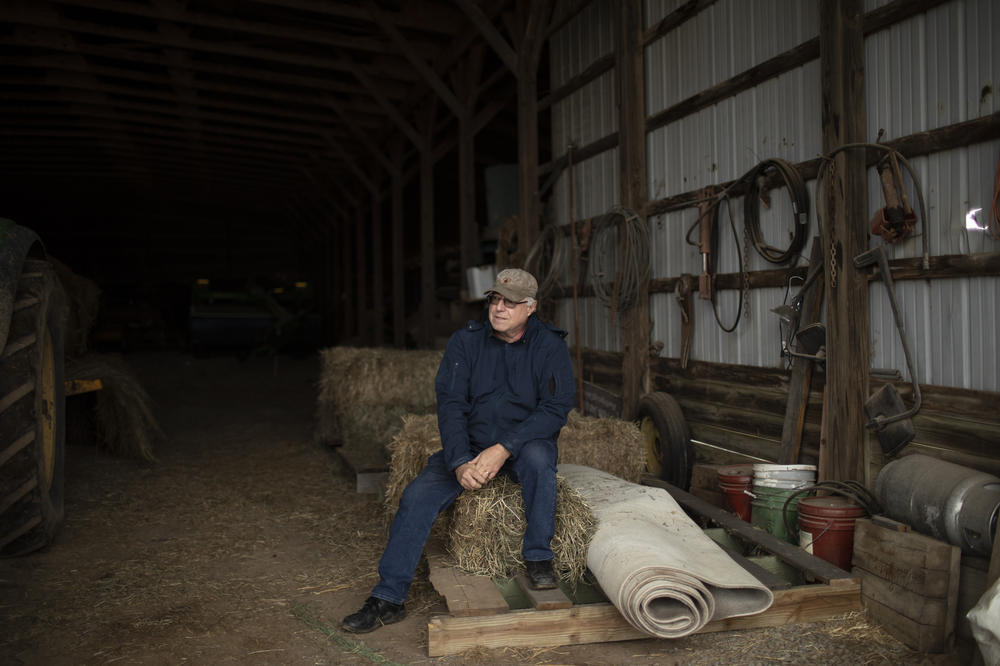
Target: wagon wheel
point(32, 413)
point(667, 439)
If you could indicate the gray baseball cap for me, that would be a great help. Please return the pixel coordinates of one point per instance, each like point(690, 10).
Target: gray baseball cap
point(515, 284)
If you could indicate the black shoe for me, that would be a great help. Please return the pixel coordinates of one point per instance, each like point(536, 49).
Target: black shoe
point(374, 614)
point(541, 575)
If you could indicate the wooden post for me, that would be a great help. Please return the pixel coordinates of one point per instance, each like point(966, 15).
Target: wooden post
point(428, 300)
point(466, 85)
point(345, 303)
point(361, 272)
point(845, 217)
point(635, 322)
point(398, 294)
point(378, 277)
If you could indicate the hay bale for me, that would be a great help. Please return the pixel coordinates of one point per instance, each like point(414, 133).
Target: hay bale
point(416, 441)
point(365, 392)
point(610, 445)
point(126, 425)
point(487, 531)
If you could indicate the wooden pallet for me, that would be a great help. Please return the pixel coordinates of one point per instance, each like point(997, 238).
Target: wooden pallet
point(491, 614)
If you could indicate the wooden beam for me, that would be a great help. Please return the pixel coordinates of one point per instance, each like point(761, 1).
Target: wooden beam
point(593, 71)
point(493, 37)
point(679, 16)
point(842, 71)
point(428, 266)
point(378, 270)
point(813, 567)
point(602, 623)
point(390, 109)
point(429, 75)
point(636, 324)
point(802, 368)
point(398, 292)
point(40, 16)
point(876, 20)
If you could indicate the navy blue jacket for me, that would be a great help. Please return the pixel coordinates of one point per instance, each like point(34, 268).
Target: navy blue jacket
point(493, 392)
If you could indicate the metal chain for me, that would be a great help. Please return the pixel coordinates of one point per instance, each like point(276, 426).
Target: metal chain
point(832, 176)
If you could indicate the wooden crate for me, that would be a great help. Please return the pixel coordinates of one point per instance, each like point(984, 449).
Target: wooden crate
point(481, 616)
point(909, 584)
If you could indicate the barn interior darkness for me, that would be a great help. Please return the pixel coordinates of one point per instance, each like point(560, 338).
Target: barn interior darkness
point(151, 144)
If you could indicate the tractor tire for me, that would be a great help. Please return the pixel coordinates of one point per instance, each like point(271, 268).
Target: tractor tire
point(667, 437)
point(32, 413)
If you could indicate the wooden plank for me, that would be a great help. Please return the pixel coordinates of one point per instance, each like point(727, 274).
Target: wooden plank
point(897, 556)
point(916, 636)
point(813, 567)
point(925, 610)
point(802, 368)
point(601, 622)
point(543, 599)
point(465, 595)
point(78, 386)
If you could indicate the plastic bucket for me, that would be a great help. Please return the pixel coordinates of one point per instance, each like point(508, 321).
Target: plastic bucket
point(735, 482)
point(767, 511)
point(826, 528)
point(803, 473)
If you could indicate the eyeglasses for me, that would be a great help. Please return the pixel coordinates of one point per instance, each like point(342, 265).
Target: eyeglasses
point(494, 299)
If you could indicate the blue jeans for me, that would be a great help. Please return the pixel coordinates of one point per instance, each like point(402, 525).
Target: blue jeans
point(433, 491)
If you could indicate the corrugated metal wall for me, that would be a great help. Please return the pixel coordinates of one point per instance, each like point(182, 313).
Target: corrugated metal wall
point(585, 116)
point(930, 71)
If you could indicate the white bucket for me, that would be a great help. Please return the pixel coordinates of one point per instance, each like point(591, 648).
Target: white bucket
point(806, 473)
point(783, 484)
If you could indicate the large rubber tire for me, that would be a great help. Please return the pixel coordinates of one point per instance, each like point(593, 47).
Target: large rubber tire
point(32, 414)
point(667, 437)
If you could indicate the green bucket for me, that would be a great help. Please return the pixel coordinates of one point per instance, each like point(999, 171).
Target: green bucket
point(767, 511)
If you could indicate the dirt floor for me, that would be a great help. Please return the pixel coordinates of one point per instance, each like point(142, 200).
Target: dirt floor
point(246, 543)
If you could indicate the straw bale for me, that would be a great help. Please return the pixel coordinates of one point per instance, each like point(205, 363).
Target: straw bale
point(487, 531)
point(126, 425)
point(83, 300)
point(610, 445)
point(365, 391)
point(416, 441)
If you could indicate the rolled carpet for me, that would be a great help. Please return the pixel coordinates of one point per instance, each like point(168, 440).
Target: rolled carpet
point(655, 564)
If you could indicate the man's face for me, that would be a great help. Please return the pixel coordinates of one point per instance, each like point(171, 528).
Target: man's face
point(508, 319)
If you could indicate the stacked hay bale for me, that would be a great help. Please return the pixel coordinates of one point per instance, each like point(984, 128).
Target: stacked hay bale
point(485, 529)
point(364, 394)
point(610, 445)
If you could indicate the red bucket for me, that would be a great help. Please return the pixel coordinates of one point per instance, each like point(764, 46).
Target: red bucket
point(735, 481)
point(826, 528)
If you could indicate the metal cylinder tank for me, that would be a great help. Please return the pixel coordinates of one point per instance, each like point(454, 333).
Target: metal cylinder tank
point(947, 501)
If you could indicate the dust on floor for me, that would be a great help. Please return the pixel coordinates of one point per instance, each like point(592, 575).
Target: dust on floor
point(245, 543)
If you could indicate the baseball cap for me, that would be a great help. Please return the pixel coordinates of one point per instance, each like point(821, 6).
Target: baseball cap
point(515, 284)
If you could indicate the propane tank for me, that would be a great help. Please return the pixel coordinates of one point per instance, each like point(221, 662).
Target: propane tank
point(950, 502)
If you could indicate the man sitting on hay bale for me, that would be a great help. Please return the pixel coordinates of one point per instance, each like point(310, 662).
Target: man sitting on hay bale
point(504, 389)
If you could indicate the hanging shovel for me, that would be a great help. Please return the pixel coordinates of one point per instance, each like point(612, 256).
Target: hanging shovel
point(888, 415)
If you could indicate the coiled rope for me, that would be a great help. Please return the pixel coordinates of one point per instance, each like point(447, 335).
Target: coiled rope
point(617, 272)
point(546, 260)
point(800, 209)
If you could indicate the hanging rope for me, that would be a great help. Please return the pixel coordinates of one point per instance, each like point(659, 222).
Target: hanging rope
point(617, 272)
point(546, 260)
point(800, 209)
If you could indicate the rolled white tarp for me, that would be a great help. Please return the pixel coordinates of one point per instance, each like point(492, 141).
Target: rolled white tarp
point(655, 564)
